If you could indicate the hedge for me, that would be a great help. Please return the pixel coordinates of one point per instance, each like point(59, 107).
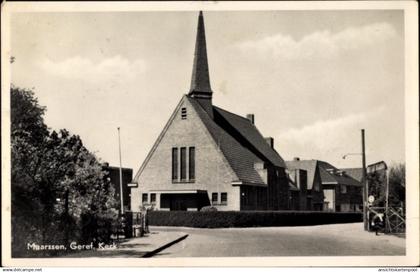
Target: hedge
point(231, 219)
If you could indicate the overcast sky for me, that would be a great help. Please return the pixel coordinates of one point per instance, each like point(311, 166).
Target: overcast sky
point(313, 79)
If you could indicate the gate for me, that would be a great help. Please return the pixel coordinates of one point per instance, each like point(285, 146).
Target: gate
point(394, 218)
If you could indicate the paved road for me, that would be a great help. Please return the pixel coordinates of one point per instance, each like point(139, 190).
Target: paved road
point(326, 240)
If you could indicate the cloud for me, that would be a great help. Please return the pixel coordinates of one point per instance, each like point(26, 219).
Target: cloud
point(328, 136)
point(322, 44)
point(114, 68)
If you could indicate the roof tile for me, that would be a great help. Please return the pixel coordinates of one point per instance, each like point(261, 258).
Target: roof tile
point(253, 138)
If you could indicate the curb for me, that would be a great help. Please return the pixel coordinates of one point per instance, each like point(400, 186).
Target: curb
point(159, 249)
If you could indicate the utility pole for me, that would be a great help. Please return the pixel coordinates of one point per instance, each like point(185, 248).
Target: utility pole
point(121, 182)
point(387, 227)
point(365, 184)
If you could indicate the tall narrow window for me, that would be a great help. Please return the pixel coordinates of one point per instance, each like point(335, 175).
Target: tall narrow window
point(184, 113)
point(223, 198)
point(183, 163)
point(174, 163)
point(191, 166)
point(153, 198)
point(214, 199)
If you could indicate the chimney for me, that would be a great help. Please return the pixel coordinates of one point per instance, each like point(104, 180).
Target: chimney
point(270, 141)
point(296, 159)
point(251, 118)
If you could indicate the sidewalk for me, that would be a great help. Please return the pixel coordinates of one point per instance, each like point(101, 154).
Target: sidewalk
point(138, 247)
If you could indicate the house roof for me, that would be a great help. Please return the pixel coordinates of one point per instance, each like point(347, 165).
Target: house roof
point(327, 177)
point(117, 168)
point(334, 176)
point(355, 173)
point(238, 156)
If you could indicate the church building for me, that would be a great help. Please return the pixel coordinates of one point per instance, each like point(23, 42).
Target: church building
point(208, 156)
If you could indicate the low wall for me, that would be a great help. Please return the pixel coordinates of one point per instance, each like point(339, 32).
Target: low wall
point(229, 219)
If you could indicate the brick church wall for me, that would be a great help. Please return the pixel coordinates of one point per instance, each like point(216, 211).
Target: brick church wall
point(212, 172)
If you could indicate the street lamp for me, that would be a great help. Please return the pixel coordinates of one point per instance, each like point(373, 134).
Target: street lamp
point(350, 154)
point(364, 181)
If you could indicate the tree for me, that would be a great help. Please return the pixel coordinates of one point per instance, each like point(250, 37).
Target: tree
point(377, 185)
point(397, 184)
point(28, 133)
point(58, 186)
point(26, 116)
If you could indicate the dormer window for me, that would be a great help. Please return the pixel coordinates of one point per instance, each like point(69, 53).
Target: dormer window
point(183, 113)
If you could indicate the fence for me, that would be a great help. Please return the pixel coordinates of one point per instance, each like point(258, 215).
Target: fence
point(136, 224)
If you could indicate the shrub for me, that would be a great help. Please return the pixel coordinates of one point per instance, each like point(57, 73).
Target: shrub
point(229, 219)
point(208, 209)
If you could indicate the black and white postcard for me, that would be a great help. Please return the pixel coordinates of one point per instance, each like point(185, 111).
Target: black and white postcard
point(210, 133)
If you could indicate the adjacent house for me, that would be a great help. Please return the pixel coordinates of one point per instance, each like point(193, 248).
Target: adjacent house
point(313, 191)
point(113, 174)
point(298, 189)
point(208, 156)
point(328, 188)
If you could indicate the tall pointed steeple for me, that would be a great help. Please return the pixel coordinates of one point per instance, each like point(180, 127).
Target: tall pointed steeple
point(200, 80)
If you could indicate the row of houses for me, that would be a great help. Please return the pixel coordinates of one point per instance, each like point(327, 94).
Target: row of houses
point(209, 156)
point(327, 187)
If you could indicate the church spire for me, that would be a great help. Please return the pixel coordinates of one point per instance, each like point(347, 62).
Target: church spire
point(200, 80)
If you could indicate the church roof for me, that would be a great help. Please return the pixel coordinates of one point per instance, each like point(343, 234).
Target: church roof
point(240, 158)
point(240, 142)
point(249, 136)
